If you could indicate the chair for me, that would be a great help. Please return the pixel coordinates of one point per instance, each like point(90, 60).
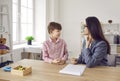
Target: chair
point(118, 60)
point(111, 60)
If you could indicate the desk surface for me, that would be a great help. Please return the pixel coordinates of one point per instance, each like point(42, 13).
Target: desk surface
point(48, 72)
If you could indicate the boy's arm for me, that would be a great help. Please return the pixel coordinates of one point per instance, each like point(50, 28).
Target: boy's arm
point(65, 56)
point(46, 55)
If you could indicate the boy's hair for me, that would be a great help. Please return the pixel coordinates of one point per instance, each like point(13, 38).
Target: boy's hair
point(54, 25)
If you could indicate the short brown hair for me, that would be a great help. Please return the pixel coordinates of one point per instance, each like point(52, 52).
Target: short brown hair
point(54, 25)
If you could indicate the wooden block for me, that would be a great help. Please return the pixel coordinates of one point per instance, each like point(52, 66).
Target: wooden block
point(3, 51)
point(20, 72)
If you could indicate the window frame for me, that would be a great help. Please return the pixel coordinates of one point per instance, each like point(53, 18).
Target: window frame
point(18, 23)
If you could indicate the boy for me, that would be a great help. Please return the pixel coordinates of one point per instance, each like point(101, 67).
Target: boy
point(55, 49)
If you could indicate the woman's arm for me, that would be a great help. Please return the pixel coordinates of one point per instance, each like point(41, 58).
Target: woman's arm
point(94, 59)
point(79, 60)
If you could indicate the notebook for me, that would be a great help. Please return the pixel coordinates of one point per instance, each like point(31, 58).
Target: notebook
point(73, 69)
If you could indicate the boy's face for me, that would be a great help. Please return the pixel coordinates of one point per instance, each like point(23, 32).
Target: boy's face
point(55, 33)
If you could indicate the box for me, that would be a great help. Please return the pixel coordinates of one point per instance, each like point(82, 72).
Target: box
point(21, 70)
point(3, 51)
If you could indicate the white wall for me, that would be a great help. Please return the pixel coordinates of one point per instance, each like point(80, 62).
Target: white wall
point(52, 12)
point(72, 12)
point(40, 20)
point(45, 12)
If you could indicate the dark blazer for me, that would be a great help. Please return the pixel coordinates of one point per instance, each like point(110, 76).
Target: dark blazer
point(95, 55)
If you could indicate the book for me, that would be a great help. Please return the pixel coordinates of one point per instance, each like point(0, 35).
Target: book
point(73, 69)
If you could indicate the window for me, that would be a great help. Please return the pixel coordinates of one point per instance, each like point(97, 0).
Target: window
point(22, 20)
point(15, 19)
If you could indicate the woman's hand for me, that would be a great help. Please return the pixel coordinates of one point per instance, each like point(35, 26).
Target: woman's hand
point(73, 61)
point(88, 39)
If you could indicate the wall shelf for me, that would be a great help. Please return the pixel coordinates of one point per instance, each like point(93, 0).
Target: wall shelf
point(109, 31)
point(3, 13)
point(5, 30)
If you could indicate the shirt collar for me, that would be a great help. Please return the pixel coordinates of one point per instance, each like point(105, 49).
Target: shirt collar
point(56, 41)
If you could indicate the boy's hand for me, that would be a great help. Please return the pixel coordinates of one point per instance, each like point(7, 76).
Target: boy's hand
point(55, 61)
point(58, 61)
point(62, 62)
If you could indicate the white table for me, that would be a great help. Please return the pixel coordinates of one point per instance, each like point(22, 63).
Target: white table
point(33, 50)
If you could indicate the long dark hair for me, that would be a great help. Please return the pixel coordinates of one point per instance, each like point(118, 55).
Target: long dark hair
point(95, 30)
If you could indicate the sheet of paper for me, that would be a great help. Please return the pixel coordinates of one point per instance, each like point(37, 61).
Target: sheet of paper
point(73, 69)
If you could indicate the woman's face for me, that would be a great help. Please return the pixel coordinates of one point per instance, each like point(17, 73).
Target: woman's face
point(86, 31)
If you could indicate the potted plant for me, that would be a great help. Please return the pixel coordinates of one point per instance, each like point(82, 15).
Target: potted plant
point(29, 39)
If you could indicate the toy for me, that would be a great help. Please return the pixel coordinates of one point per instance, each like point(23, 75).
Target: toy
point(3, 48)
point(21, 70)
point(7, 68)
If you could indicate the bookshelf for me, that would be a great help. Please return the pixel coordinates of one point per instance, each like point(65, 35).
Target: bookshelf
point(110, 30)
point(5, 30)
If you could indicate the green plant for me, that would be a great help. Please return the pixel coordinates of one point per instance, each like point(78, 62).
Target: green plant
point(29, 38)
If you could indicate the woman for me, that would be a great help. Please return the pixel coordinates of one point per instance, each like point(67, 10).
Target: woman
point(95, 46)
